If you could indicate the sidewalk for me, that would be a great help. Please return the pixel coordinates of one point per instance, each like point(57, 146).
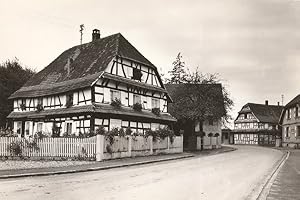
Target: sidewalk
point(109, 164)
point(287, 183)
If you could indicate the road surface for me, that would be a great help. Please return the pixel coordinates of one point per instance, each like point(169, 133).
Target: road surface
point(232, 175)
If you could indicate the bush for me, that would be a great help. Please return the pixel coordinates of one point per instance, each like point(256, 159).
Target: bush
point(39, 135)
point(116, 103)
point(101, 130)
point(23, 106)
point(161, 133)
point(15, 148)
point(39, 107)
point(210, 135)
point(217, 135)
point(128, 131)
point(156, 111)
point(7, 133)
point(137, 107)
point(55, 131)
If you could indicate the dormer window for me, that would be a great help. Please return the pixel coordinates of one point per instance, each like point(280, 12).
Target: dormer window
point(137, 74)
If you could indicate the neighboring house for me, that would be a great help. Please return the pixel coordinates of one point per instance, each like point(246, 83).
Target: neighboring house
point(290, 121)
point(76, 92)
point(227, 136)
point(209, 127)
point(257, 124)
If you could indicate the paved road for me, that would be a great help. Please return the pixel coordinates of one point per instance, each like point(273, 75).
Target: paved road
point(232, 175)
point(287, 183)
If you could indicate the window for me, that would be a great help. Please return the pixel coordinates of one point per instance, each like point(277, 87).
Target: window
point(211, 122)
point(27, 126)
point(69, 100)
point(287, 132)
point(246, 116)
point(155, 103)
point(297, 112)
point(39, 127)
point(69, 128)
point(40, 100)
point(19, 127)
point(298, 131)
point(114, 94)
point(137, 74)
point(289, 113)
point(136, 99)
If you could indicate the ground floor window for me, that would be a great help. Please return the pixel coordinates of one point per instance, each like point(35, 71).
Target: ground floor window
point(287, 134)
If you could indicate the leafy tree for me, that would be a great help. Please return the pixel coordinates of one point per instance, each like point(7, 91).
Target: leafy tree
point(195, 102)
point(12, 77)
point(178, 72)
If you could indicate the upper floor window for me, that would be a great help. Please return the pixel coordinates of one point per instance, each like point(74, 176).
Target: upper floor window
point(297, 112)
point(114, 94)
point(155, 103)
point(137, 74)
point(69, 100)
point(288, 113)
point(211, 121)
point(136, 99)
point(40, 101)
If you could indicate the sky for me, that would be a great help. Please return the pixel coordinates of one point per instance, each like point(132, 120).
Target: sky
point(254, 45)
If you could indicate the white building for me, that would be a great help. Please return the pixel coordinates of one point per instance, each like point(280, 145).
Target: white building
point(73, 94)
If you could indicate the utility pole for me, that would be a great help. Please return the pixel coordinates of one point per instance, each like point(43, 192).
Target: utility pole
point(81, 32)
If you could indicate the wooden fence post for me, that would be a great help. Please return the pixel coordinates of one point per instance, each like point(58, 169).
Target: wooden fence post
point(181, 143)
point(129, 145)
point(151, 144)
point(99, 147)
point(168, 144)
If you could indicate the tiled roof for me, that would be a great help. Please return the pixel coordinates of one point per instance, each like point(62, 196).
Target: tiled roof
point(293, 102)
point(79, 66)
point(265, 113)
point(90, 109)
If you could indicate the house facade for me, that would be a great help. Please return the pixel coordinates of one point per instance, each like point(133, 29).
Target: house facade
point(257, 124)
point(91, 85)
point(290, 122)
point(205, 133)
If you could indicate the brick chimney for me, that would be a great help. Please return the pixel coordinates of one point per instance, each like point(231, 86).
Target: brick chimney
point(278, 103)
point(267, 102)
point(95, 35)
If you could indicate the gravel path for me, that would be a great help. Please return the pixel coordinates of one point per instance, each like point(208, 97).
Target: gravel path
point(21, 164)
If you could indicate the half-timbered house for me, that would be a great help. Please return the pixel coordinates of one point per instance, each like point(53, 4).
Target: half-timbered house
point(257, 124)
point(290, 122)
point(91, 85)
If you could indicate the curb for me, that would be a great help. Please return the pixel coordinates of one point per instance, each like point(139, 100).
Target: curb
point(271, 178)
point(91, 168)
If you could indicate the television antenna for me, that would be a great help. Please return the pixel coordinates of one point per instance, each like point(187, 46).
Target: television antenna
point(81, 32)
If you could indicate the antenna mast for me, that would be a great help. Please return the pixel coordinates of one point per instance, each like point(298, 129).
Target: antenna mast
point(282, 98)
point(81, 32)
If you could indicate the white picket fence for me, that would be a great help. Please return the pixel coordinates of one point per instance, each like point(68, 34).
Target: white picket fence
point(52, 147)
point(97, 147)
